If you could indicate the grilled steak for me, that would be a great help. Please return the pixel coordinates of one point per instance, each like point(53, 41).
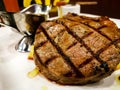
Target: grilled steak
point(77, 49)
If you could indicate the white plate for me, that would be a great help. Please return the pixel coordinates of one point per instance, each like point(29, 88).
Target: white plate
point(14, 67)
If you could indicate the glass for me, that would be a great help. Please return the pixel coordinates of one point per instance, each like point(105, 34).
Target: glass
point(59, 4)
point(69, 8)
point(27, 22)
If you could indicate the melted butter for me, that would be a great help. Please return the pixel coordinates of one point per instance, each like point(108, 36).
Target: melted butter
point(118, 66)
point(33, 73)
point(116, 86)
point(117, 79)
point(44, 88)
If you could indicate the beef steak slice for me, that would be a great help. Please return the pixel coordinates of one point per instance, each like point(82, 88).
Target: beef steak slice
point(77, 50)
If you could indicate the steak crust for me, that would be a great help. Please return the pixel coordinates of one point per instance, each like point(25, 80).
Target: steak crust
point(77, 50)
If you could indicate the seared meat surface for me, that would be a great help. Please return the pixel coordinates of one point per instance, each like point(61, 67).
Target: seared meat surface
point(77, 49)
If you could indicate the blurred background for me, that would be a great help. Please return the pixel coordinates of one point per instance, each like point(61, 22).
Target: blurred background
point(109, 8)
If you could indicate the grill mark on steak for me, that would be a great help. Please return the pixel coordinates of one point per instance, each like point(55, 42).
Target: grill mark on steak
point(103, 63)
point(73, 44)
point(101, 27)
point(66, 58)
point(86, 35)
point(85, 62)
point(64, 21)
point(50, 60)
point(97, 30)
point(116, 44)
point(69, 74)
point(39, 58)
point(40, 44)
point(104, 48)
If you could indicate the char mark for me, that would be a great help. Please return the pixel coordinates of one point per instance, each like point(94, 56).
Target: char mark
point(86, 62)
point(104, 48)
point(39, 45)
point(72, 45)
point(50, 60)
point(39, 59)
point(66, 58)
point(86, 35)
point(80, 40)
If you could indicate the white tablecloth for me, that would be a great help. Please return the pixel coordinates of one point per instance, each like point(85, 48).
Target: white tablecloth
point(14, 67)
